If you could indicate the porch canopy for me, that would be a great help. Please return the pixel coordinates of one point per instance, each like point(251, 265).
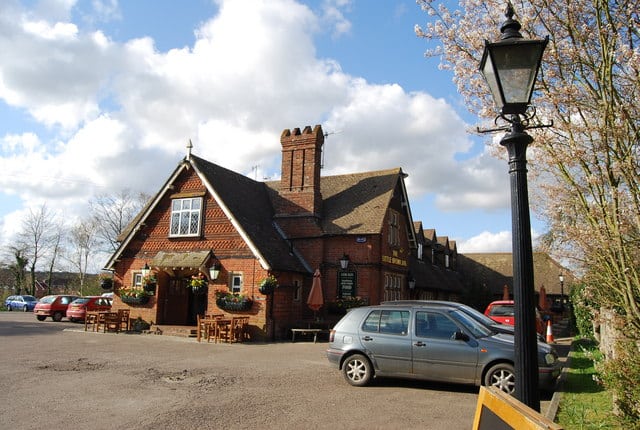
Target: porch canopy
point(173, 261)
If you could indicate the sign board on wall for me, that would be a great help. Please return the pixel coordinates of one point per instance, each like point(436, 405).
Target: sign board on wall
point(347, 283)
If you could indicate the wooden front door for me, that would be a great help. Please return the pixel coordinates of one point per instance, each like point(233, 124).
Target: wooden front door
point(175, 306)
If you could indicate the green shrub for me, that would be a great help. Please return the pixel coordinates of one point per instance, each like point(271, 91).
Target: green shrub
point(583, 313)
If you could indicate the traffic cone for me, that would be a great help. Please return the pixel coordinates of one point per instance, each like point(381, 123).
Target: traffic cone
point(549, 333)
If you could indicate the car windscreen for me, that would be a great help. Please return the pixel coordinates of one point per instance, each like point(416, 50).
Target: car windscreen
point(477, 329)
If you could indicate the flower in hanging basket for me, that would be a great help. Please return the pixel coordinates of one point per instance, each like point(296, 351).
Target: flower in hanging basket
point(197, 281)
point(233, 302)
point(268, 284)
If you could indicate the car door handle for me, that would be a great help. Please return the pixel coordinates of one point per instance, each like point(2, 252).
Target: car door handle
point(367, 338)
point(419, 343)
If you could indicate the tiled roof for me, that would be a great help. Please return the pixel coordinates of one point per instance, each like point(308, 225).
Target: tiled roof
point(357, 203)
point(249, 202)
point(496, 270)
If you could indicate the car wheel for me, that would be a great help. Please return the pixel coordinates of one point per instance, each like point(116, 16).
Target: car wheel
point(357, 370)
point(57, 317)
point(501, 376)
point(41, 317)
point(9, 308)
point(25, 308)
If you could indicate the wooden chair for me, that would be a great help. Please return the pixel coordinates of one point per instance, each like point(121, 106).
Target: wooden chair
point(111, 322)
point(100, 321)
point(239, 328)
point(123, 318)
point(90, 319)
point(220, 330)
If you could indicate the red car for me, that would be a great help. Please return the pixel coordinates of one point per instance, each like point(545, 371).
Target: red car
point(502, 311)
point(53, 306)
point(80, 306)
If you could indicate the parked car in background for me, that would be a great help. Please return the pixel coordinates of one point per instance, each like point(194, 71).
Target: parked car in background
point(503, 311)
point(437, 342)
point(80, 306)
point(53, 306)
point(23, 303)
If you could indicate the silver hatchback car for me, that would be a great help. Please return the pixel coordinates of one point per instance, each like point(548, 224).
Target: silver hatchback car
point(429, 341)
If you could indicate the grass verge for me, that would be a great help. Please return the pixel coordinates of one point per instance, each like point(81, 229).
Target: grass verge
point(585, 403)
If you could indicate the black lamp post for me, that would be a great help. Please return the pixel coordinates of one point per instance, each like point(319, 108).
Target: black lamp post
point(561, 277)
point(510, 67)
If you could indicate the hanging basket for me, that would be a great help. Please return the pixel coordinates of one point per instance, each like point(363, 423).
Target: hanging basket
point(140, 300)
point(198, 291)
point(268, 285)
point(106, 283)
point(151, 287)
point(267, 289)
point(238, 306)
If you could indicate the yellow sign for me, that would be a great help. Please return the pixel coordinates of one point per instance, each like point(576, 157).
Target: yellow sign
point(496, 410)
point(394, 260)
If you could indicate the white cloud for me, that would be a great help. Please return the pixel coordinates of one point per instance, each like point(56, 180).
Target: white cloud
point(486, 242)
point(121, 114)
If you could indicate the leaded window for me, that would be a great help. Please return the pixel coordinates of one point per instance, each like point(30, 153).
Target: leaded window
point(185, 216)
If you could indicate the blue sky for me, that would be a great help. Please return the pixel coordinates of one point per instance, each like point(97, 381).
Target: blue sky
point(97, 96)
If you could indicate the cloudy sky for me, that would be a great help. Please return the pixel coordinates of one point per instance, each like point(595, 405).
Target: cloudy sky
point(101, 95)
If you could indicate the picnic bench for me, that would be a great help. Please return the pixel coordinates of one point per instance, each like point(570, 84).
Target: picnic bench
point(307, 331)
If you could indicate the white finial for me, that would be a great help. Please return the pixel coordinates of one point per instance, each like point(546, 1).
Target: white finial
point(189, 147)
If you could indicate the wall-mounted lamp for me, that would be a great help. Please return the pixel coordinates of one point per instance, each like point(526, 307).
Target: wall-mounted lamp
point(412, 283)
point(145, 270)
point(214, 271)
point(344, 262)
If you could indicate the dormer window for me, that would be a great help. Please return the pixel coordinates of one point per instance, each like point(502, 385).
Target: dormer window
point(186, 215)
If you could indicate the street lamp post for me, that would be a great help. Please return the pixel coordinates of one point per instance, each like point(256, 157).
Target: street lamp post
point(510, 67)
point(561, 277)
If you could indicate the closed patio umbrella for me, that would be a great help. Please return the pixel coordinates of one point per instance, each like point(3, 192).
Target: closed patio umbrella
point(542, 299)
point(315, 299)
point(505, 292)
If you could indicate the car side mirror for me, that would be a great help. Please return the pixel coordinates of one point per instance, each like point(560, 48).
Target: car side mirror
point(458, 335)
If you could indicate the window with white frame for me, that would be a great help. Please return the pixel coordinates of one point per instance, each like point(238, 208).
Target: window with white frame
point(137, 279)
point(394, 228)
point(236, 283)
point(185, 216)
point(419, 251)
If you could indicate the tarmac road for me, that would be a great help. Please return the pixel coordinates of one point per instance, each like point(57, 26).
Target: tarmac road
point(57, 376)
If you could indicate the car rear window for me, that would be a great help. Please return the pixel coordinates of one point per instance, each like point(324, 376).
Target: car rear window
point(79, 301)
point(47, 299)
point(501, 310)
point(387, 321)
point(29, 299)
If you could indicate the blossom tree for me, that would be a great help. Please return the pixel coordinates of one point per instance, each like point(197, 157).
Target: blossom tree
point(586, 167)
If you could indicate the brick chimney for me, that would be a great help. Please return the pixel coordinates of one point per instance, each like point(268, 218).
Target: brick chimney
point(300, 183)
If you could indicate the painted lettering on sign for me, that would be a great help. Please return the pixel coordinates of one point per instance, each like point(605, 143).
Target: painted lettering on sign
point(394, 260)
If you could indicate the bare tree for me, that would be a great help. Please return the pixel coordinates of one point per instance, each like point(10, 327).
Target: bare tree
point(53, 257)
point(113, 213)
point(39, 230)
point(83, 242)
